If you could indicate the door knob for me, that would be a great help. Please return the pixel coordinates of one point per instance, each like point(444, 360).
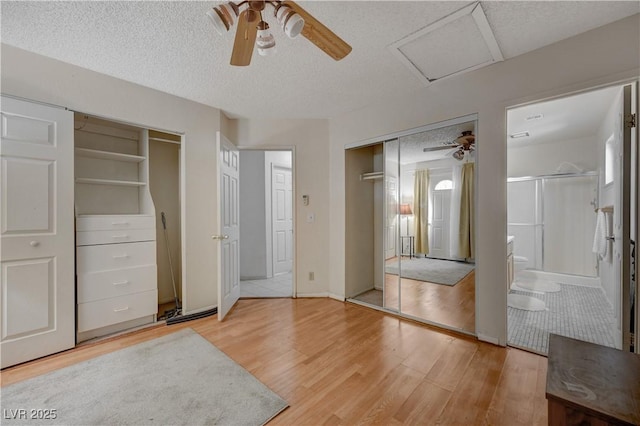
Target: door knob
point(220, 237)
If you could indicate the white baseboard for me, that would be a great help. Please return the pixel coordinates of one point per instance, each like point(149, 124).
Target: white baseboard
point(490, 339)
point(324, 294)
point(337, 297)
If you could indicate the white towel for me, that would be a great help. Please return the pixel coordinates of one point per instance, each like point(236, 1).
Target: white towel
point(600, 242)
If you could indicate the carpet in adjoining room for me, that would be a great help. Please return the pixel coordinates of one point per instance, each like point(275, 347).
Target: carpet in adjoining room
point(177, 379)
point(446, 272)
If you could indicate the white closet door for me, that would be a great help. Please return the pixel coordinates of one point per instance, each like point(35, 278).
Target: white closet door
point(229, 208)
point(282, 218)
point(37, 309)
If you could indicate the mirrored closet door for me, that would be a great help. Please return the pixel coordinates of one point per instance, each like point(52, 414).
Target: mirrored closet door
point(410, 221)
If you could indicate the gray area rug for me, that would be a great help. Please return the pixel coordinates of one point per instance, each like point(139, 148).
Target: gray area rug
point(178, 379)
point(446, 272)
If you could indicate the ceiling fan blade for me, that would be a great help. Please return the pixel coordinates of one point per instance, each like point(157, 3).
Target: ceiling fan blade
point(245, 38)
point(439, 148)
point(320, 35)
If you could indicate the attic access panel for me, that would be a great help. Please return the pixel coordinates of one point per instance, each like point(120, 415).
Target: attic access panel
point(460, 42)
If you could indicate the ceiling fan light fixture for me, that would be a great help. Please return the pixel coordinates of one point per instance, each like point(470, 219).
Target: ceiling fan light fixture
point(459, 154)
point(265, 42)
point(223, 16)
point(293, 25)
point(290, 21)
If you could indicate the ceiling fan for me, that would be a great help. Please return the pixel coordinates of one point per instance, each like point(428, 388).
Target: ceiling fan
point(464, 143)
point(254, 30)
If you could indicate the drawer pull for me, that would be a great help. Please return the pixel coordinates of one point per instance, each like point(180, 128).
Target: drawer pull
point(34, 243)
point(122, 256)
point(125, 282)
point(123, 236)
point(126, 308)
point(120, 223)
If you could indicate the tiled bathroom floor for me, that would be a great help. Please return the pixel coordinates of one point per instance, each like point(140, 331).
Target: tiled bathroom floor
point(579, 312)
point(278, 286)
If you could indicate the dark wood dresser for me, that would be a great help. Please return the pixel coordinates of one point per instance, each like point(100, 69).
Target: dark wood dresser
point(589, 384)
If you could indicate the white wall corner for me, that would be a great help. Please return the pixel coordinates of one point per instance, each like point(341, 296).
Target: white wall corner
point(335, 296)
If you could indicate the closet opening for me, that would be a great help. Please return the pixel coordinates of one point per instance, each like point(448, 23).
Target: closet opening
point(127, 178)
point(164, 184)
point(410, 214)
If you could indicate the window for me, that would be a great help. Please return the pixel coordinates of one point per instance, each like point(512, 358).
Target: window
point(444, 184)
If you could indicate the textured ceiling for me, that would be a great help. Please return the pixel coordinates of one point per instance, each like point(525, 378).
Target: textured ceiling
point(172, 47)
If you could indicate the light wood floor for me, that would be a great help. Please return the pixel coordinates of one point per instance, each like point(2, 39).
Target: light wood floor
point(339, 363)
point(454, 306)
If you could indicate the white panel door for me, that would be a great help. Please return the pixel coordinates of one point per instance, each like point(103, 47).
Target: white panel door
point(229, 237)
point(282, 219)
point(37, 295)
point(439, 229)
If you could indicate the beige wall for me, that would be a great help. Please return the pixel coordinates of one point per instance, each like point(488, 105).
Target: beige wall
point(38, 78)
point(600, 56)
point(310, 141)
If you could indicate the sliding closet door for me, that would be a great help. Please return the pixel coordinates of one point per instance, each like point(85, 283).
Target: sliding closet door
point(435, 234)
point(391, 222)
point(37, 313)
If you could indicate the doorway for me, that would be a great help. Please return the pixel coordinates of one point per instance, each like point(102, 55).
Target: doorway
point(267, 243)
point(568, 213)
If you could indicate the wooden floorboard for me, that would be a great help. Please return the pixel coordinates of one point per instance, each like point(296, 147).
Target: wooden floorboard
point(453, 306)
point(342, 364)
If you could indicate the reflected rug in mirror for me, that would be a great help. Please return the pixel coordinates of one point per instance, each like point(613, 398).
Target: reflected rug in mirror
point(177, 379)
point(446, 272)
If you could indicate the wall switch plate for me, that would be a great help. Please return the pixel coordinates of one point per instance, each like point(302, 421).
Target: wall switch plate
point(311, 217)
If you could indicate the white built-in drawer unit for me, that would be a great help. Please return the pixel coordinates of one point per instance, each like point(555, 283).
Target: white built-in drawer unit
point(106, 257)
point(116, 269)
point(87, 238)
point(94, 286)
point(115, 222)
point(102, 313)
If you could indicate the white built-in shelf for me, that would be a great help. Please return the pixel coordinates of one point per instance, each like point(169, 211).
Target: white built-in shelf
point(163, 140)
point(109, 182)
point(108, 155)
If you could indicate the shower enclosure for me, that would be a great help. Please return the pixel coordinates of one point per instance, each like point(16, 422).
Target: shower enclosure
point(552, 218)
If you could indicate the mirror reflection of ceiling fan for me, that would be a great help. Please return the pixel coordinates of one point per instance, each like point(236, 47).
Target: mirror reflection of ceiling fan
point(254, 30)
point(465, 143)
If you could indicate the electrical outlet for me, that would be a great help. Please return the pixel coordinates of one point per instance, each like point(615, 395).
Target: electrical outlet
point(311, 276)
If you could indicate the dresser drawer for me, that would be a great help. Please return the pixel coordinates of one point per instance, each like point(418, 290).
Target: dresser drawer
point(114, 256)
point(103, 285)
point(106, 312)
point(87, 238)
point(115, 222)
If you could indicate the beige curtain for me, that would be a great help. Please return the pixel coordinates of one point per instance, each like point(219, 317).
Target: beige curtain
point(421, 211)
point(467, 234)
